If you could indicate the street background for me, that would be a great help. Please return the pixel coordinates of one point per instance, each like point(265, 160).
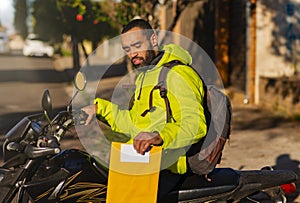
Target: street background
point(253, 43)
point(259, 137)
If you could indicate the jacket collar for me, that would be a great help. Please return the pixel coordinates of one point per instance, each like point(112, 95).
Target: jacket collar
point(157, 58)
point(153, 63)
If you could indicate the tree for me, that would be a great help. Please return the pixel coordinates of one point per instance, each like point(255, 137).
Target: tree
point(119, 13)
point(124, 11)
point(94, 20)
point(48, 22)
point(20, 17)
point(84, 19)
point(81, 19)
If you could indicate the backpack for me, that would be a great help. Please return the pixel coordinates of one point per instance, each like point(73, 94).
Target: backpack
point(203, 156)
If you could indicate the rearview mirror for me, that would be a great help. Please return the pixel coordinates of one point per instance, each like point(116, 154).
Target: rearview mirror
point(80, 84)
point(47, 104)
point(46, 101)
point(80, 81)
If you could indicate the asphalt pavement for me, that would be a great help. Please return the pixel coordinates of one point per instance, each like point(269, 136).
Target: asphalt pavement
point(22, 83)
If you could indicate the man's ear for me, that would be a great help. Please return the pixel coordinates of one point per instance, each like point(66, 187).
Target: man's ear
point(154, 40)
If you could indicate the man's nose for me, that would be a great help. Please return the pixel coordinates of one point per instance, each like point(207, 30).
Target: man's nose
point(133, 54)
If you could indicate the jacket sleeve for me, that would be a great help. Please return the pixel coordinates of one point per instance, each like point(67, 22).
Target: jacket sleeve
point(185, 93)
point(119, 120)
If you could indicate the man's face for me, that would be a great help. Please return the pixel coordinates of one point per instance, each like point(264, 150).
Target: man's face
point(138, 48)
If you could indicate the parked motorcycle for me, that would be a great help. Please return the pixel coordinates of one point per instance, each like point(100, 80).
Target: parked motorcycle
point(36, 169)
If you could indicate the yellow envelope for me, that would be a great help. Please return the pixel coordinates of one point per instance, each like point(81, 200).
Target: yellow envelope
point(133, 178)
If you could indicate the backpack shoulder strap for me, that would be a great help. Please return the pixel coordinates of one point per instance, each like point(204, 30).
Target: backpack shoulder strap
point(162, 86)
point(162, 83)
point(165, 69)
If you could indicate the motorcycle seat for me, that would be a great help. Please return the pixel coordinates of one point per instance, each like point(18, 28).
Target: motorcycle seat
point(199, 187)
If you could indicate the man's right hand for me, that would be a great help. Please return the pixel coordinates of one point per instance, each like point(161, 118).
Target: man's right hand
point(90, 110)
point(143, 141)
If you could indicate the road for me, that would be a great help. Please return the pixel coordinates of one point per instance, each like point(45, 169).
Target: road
point(22, 82)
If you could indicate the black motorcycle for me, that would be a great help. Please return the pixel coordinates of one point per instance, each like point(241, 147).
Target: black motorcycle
point(35, 168)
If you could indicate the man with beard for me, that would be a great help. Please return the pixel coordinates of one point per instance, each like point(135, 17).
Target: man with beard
point(145, 121)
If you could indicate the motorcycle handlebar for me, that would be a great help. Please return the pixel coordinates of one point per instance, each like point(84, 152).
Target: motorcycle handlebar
point(63, 121)
point(46, 141)
point(69, 119)
point(14, 146)
point(62, 129)
point(36, 152)
point(48, 148)
point(50, 144)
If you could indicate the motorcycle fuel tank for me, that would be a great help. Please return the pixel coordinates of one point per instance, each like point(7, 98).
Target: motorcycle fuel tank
point(70, 176)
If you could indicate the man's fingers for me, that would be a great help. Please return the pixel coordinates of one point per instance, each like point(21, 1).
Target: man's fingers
point(138, 145)
point(90, 111)
point(89, 119)
point(141, 146)
point(142, 142)
point(144, 146)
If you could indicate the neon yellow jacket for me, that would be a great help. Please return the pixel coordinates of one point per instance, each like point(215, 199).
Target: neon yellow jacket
point(185, 93)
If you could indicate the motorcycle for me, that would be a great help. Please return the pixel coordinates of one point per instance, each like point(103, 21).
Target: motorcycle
point(36, 169)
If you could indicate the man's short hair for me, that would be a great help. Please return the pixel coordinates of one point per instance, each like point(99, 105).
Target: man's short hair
point(140, 23)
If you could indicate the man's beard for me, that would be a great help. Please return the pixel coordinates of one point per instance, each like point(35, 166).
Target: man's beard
point(150, 55)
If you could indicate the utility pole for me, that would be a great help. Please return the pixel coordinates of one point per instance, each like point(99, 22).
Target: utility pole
point(251, 52)
point(221, 39)
point(75, 52)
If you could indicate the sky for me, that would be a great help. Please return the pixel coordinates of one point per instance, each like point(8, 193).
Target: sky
point(7, 14)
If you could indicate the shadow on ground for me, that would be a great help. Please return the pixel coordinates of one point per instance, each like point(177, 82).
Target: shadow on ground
point(256, 118)
point(34, 76)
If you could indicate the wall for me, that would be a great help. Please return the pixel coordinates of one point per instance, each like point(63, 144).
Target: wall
point(278, 34)
point(277, 43)
point(282, 95)
point(198, 22)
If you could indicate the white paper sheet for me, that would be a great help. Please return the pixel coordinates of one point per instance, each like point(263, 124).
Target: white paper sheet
point(129, 154)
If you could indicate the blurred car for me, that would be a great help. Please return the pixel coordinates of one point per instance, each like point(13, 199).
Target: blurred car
point(35, 46)
point(4, 43)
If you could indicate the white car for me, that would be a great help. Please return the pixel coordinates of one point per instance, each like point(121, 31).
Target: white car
point(4, 43)
point(35, 46)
